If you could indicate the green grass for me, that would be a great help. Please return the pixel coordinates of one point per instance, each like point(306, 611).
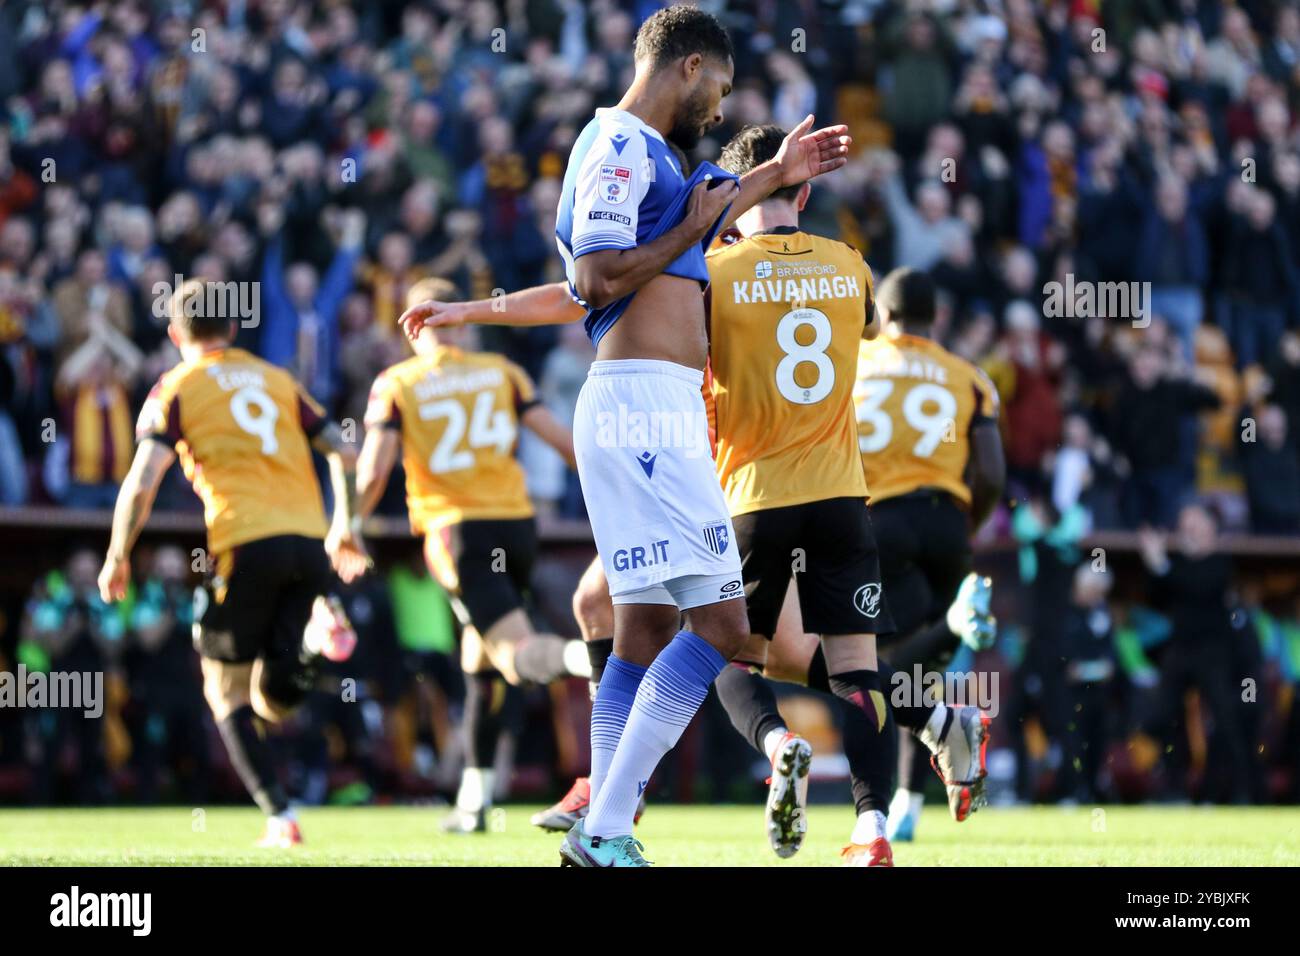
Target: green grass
point(675, 836)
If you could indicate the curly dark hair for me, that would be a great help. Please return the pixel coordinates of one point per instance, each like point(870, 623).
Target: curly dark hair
point(750, 148)
point(678, 31)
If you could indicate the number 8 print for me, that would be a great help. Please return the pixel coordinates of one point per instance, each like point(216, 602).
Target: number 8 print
point(796, 354)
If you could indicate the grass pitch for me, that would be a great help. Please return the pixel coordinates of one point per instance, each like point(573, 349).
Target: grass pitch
point(674, 836)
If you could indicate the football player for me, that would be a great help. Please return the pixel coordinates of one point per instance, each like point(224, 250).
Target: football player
point(454, 415)
point(263, 617)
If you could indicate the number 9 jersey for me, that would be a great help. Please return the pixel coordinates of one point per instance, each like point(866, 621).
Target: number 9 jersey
point(916, 405)
point(786, 314)
point(458, 415)
point(241, 428)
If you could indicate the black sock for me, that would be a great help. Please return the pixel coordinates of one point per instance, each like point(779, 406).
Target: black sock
point(818, 677)
point(910, 710)
point(250, 755)
point(869, 747)
point(749, 702)
point(598, 653)
point(484, 697)
point(540, 659)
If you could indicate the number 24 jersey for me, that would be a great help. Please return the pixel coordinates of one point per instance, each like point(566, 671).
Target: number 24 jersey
point(458, 414)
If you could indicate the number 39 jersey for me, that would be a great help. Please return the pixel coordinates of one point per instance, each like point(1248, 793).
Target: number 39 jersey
point(916, 404)
point(458, 414)
point(786, 314)
point(241, 428)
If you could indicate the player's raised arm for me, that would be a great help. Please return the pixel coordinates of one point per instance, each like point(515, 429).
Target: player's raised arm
point(134, 502)
point(378, 456)
point(803, 156)
point(540, 305)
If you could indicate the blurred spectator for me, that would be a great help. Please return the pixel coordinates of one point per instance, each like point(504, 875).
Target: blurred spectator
point(1191, 585)
point(1271, 463)
point(1174, 258)
point(1259, 275)
point(1147, 417)
point(1032, 412)
point(68, 629)
point(97, 421)
point(1088, 655)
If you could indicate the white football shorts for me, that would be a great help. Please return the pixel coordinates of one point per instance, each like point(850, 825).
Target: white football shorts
point(641, 438)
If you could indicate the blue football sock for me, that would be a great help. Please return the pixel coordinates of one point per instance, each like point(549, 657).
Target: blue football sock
point(609, 712)
point(673, 688)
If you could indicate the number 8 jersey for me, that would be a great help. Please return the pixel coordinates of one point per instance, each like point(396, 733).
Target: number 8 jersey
point(458, 414)
point(786, 313)
point(917, 403)
point(241, 428)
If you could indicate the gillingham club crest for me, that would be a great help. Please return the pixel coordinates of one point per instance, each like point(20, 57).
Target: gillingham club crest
point(717, 535)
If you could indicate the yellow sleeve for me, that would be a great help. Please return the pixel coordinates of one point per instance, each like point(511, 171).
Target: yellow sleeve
point(525, 390)
point(160, 417)
point(381, 407)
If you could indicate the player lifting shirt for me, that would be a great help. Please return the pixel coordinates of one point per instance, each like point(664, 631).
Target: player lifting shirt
point(243, 429)
point(791, 473)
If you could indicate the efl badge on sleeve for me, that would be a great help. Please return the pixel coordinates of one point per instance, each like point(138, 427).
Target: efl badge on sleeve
point(615, 183)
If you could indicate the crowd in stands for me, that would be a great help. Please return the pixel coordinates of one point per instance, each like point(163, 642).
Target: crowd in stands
point(1107, 193)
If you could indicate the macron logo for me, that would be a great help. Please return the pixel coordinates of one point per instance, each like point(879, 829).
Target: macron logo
point(647, 462)
point(619, 142)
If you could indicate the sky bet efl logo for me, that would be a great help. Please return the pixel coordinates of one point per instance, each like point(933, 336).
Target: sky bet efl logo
point(614, 183)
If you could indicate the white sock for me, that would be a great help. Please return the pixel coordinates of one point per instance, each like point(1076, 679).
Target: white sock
point(771, 740)
point(475, 791)
point(870, 826)
point(576, 661)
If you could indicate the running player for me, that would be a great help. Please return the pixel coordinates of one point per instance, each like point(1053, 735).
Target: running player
point(242, 428)
point(933, 456)
point(632, 231)
point(454, 413)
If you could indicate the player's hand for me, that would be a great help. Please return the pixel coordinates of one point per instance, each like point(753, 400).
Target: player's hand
point(706, 205)
point(804, 155)
point(434, 314)
point(347, 553)
point(114, 578)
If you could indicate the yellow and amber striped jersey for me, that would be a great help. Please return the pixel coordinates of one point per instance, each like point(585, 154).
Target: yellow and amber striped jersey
point(786, 314)
point(916, 404)
point(241, 428)
point(458, 414)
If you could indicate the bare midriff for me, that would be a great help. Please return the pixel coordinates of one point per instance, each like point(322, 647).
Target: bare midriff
point(665, 321)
